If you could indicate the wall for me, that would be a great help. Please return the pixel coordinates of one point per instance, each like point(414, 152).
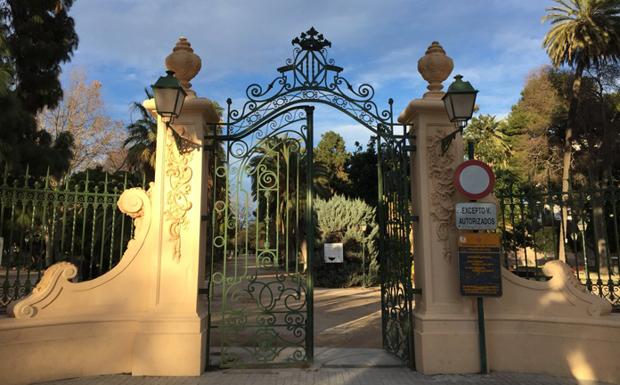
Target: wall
point(143, 316)
point(554, 327)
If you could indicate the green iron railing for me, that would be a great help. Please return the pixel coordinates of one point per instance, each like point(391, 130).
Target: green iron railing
point(532, 221)
point(44, 221)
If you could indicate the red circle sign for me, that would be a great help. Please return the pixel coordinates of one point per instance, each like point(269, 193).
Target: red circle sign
point(474, 179)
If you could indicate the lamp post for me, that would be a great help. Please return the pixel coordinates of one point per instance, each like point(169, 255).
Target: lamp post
point(362, 228)
point(169, 97)
point(583, 226)
point(574, 236)
point(459, 102)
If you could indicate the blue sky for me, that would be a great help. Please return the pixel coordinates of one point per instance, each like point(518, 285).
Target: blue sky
point(494, 44)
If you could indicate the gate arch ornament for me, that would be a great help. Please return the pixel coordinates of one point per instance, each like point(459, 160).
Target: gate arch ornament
point(261, 227)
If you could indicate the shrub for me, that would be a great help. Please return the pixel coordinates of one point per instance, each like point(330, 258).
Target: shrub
point(352, 222)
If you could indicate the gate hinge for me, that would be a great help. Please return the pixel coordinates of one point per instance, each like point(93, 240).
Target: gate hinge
point(204, 217)
point(415, 218)
point(208, 147)
point(203, 290)
point(410, 147)
point(416, 290)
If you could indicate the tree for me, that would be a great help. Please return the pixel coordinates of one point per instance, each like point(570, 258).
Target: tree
point(583, 34)
point(141, 141)
point(362, 170)
point(492, 142)
point(81, 113)
point(333, 156)
point(35, 38)
point(533, 127)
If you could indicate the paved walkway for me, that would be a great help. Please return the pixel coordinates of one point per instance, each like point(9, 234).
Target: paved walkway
point(347, 318)
point(333, 366)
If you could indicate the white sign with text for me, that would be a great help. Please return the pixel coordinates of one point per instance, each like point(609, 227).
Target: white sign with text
point(333, 252)
point(476, 216)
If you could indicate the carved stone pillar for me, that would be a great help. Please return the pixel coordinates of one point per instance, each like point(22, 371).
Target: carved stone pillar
point(445, 328)
point(174, 343)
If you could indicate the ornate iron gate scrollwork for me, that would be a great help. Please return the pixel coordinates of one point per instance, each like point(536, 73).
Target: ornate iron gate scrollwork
point(261, 231)
point(259, 285)
point(395, 247)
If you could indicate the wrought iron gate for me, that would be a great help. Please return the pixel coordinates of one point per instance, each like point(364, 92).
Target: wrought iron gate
point(261, 231)
point(395, 246)
point(261, 218)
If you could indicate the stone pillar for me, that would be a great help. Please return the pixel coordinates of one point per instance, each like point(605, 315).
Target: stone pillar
point(173, 341)
point(445, 328)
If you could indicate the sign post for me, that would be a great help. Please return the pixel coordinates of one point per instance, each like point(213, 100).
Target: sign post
point(479, 262)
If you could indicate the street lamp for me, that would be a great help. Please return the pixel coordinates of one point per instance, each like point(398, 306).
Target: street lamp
point(583, 226)
point(459, 102)
point(169, 97)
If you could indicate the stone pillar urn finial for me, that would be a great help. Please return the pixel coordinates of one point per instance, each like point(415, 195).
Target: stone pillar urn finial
point(185, 64)
point(435, 67)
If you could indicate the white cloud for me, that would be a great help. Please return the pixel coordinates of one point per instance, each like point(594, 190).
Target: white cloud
point(494, 43)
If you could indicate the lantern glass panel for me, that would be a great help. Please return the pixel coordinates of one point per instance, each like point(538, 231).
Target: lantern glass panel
point(463, 105)
point(447, 100)
point(165, 101)
point(179, 102)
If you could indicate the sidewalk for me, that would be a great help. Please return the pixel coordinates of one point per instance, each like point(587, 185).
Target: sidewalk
point(333, 366)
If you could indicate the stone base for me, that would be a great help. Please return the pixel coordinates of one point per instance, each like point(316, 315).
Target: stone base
point(446, 345)
point(582, 350)
point(44, 350)
point(171, 347)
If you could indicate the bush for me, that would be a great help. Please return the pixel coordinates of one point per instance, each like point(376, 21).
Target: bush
point(352, 222)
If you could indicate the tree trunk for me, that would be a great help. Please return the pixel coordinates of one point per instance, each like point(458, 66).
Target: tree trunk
point(566, 158)
point(598, 219)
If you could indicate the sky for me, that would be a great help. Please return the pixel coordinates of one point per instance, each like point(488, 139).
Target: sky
point(495, 44)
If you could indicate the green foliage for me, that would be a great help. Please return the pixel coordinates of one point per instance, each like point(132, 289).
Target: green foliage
point(532, 127)
point(352, 222)
point(332, 155)
point(492, 145)
point(535, 128)
point(35, 37)
point(141, 141)
point(583, 33)
point(362, 169)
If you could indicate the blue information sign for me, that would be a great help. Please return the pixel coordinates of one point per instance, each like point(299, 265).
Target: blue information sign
point(479, 264)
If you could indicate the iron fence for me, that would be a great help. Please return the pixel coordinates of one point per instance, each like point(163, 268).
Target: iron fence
point(580, 227)
point(44, 220)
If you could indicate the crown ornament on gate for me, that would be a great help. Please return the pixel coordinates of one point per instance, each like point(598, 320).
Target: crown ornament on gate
point(311, 40)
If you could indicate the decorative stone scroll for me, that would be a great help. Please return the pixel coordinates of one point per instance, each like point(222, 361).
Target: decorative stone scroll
point(442, 190)
point(179, 175)
point(563, 278)
point(57, 279)
point(46, 290)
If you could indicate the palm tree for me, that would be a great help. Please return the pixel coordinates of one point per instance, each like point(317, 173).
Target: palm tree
point(583, 34)
point(142, 140)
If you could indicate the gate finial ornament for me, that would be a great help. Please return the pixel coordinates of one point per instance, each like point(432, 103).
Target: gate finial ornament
point(435, 67)
point(185, 64)
point(311, 40)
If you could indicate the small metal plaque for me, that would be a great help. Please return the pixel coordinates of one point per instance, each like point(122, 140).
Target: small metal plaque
point(476, 216)
point(333, 252)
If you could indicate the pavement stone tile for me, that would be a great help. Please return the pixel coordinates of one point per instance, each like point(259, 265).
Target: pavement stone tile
point(328, 376)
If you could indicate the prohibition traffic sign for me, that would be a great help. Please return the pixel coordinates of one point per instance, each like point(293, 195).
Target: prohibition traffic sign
point(474, 179)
